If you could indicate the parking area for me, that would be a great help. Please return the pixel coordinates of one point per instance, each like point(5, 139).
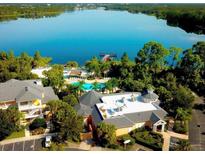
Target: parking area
point(31, 145)
point(197, 130)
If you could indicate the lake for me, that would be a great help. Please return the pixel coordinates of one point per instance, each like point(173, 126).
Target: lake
point(80, 35)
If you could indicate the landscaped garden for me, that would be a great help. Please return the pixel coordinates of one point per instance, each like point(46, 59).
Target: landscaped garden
point(148, 138)
point(38, 126)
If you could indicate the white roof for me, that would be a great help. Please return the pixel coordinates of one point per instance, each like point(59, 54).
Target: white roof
point(39, 71)
point(119, 104)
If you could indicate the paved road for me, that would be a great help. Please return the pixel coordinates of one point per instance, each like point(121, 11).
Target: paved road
point(31, 145)
point(197, 130)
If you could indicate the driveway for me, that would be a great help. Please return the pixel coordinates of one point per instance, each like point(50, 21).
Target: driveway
point(197, 127)
point(31, 145)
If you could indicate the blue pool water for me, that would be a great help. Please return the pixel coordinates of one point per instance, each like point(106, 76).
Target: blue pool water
point(80, 35)
point(90, 86)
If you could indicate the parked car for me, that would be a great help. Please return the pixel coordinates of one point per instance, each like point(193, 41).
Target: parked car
point(47, 143)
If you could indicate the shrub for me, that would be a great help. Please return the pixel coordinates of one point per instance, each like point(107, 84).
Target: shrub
point(180, 127)
point(114, 146)
point(37, 123)
point(38, 131)
point(126, 137)
point(56, 147)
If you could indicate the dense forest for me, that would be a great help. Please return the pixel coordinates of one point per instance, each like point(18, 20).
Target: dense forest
point(190, 17)
point(15, 11)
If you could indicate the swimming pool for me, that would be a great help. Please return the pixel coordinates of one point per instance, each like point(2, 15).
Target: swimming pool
point(90, 86)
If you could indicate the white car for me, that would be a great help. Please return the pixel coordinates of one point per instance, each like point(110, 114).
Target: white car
point(48, 141)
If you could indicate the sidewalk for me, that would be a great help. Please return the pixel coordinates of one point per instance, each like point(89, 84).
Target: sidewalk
point(167, 136)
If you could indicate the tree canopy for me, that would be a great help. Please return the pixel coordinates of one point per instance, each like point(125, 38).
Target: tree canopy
point(9, 121)
point(106, 134)
point(65, 120)
point(54, 77)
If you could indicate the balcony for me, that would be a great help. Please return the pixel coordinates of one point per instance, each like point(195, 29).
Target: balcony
point(36, 104)
point(29, 107)
point(28, 116)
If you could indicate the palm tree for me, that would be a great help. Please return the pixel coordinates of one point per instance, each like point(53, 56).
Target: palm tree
point(80, 87)
point(108, 86)
point(95, 86)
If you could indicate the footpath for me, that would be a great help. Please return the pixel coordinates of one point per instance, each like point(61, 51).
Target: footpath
point(167, 136)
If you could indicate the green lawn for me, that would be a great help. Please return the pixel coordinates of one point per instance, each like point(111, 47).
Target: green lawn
point(21, 133)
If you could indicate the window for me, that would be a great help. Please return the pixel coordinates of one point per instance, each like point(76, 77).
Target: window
point(24, 103)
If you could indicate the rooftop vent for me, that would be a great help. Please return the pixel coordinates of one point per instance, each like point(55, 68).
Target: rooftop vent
point(133, 98)
point(26, 88)
point(150, 91)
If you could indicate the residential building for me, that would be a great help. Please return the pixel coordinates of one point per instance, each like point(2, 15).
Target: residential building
point(127, 111)
point(29, 96)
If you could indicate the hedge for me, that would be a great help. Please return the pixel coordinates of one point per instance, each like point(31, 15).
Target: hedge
point(148, 139)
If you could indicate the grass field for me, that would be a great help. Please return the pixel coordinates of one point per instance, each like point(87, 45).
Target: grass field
point(21, 133)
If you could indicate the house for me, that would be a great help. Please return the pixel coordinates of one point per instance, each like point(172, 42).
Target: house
point(28, 95)
point(127, 111)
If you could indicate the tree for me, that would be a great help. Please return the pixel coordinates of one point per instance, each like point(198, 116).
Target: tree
point(39, 61)
point(175, 55)
point(95, 86)
point(154, 55)
point(15, 67)
point(65, 120)
point(126, 67)
point(37, 123)
point(183, 98)
point(54, 77)
point(79, 87)
point(106, 134)
point(191, 66)
point(93, 66)
point(105, 67)
point(70, 99)
point(9, 121)
point(72, 64)
point(3, 55)
point(183, 114)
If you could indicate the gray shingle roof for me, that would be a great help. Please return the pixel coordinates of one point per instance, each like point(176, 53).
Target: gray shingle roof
point(25, 91)
point(154, 118)
point(150, 96)
point(90, 98)
point(128, 120)
point(119, 122)
point(83, 109)
point(96, 116)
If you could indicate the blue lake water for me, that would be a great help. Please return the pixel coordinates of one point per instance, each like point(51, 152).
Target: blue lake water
point(80, 35)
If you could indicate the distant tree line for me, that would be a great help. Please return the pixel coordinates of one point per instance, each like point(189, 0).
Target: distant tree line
point(15, 11)
point(190, 17)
